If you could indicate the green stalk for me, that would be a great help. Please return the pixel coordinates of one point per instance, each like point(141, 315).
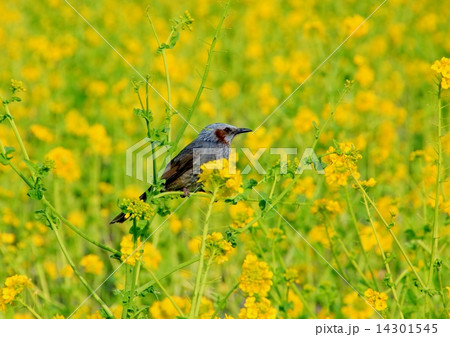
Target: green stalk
point(168, 273)
point(76, 230)
point(385, 262)
point(223, 301)
point(77, 272)
point(30, 309)
point(194, 310)
point(165, 292)
point(435, 239)
point(16, 131)
point(130, 275)
point(205, 75)
point(203, 286)
point(355, 224)
point(166, 70)
point(397, 242)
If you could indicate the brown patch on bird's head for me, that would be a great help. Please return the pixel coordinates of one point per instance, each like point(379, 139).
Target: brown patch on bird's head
point(220, 135)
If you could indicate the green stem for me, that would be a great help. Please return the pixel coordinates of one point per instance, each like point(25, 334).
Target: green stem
point(165, 292)
point(358, 235)
point(168, 273)
point(221, 304)
point(202, 286)
point(166, 70)
point(130, 275)
point(30, 309)
point(388, 227)
point(76, 230)
point(385, 262)
point(16, 132)
point(77, 272)
point(205, 75)
point(435, 239)
point(192, 314)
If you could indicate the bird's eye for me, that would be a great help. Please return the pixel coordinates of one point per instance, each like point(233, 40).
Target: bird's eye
point(227, 129)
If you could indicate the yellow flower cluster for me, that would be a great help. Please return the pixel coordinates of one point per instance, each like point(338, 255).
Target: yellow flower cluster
point(254, 309)
point(66, 166)
point(99, 141)
point(341, 163)
point(216, 176)
point(442, 67)
point(13, 286)
point(127, 248)
point(241, 214)
point(92, 264)
point(355, 307)
point(17, 86)
point(164, 309)
point(151, 256)
point(136, 209)
point(256, 277)
point(376, 299)
point(42, 133)
point(291, 275)
point(326, 206)
point(218, 248)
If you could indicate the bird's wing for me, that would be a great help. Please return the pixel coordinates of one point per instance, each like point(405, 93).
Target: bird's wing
point(184, 162)
point(177, 167)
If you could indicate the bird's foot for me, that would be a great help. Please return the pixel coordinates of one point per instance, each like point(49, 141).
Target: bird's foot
point(186, 192)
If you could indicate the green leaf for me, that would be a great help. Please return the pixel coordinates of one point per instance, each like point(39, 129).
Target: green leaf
point(262, 204)
point(38, 190)
point(4, 157)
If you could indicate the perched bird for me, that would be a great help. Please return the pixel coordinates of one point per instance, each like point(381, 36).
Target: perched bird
point(181, 174)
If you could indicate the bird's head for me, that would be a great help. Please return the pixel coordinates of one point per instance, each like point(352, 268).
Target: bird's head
point(221, 133)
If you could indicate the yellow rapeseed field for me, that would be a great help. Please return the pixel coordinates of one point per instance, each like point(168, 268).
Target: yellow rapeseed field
point(364, 84)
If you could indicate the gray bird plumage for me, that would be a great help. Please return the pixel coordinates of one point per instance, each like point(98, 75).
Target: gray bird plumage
point(181, 173)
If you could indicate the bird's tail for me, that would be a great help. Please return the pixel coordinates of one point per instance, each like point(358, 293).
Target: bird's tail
point(122, 216)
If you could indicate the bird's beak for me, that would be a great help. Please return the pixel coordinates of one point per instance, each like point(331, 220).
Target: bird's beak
point(243, 130)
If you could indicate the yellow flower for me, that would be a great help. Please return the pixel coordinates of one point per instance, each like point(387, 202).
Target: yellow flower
point(216, 176)
point(136, 209)
point(256, 277)
point(261, 309)
point(194, 244)
point(442, 67)
point(127, 249)
point(341, 163)
point(376, 299)
point(76, 124)
point(7, 238)
point(217, 247)
point(303, 121)
point(241, 214)
point(58, 316)
point(230, 89)
point(151, 256)
point(164, 309)
point(353, 25)
point(297, 305)
point(291, 275)
point(326, 206)
point(355, 307)
point(319, 234)
point(95, 315)
point(13, 286)
point(99, 141)
point(65, 165)
point(175, 224)
point(42, 133)
point(17, 86)
point(92, 264)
